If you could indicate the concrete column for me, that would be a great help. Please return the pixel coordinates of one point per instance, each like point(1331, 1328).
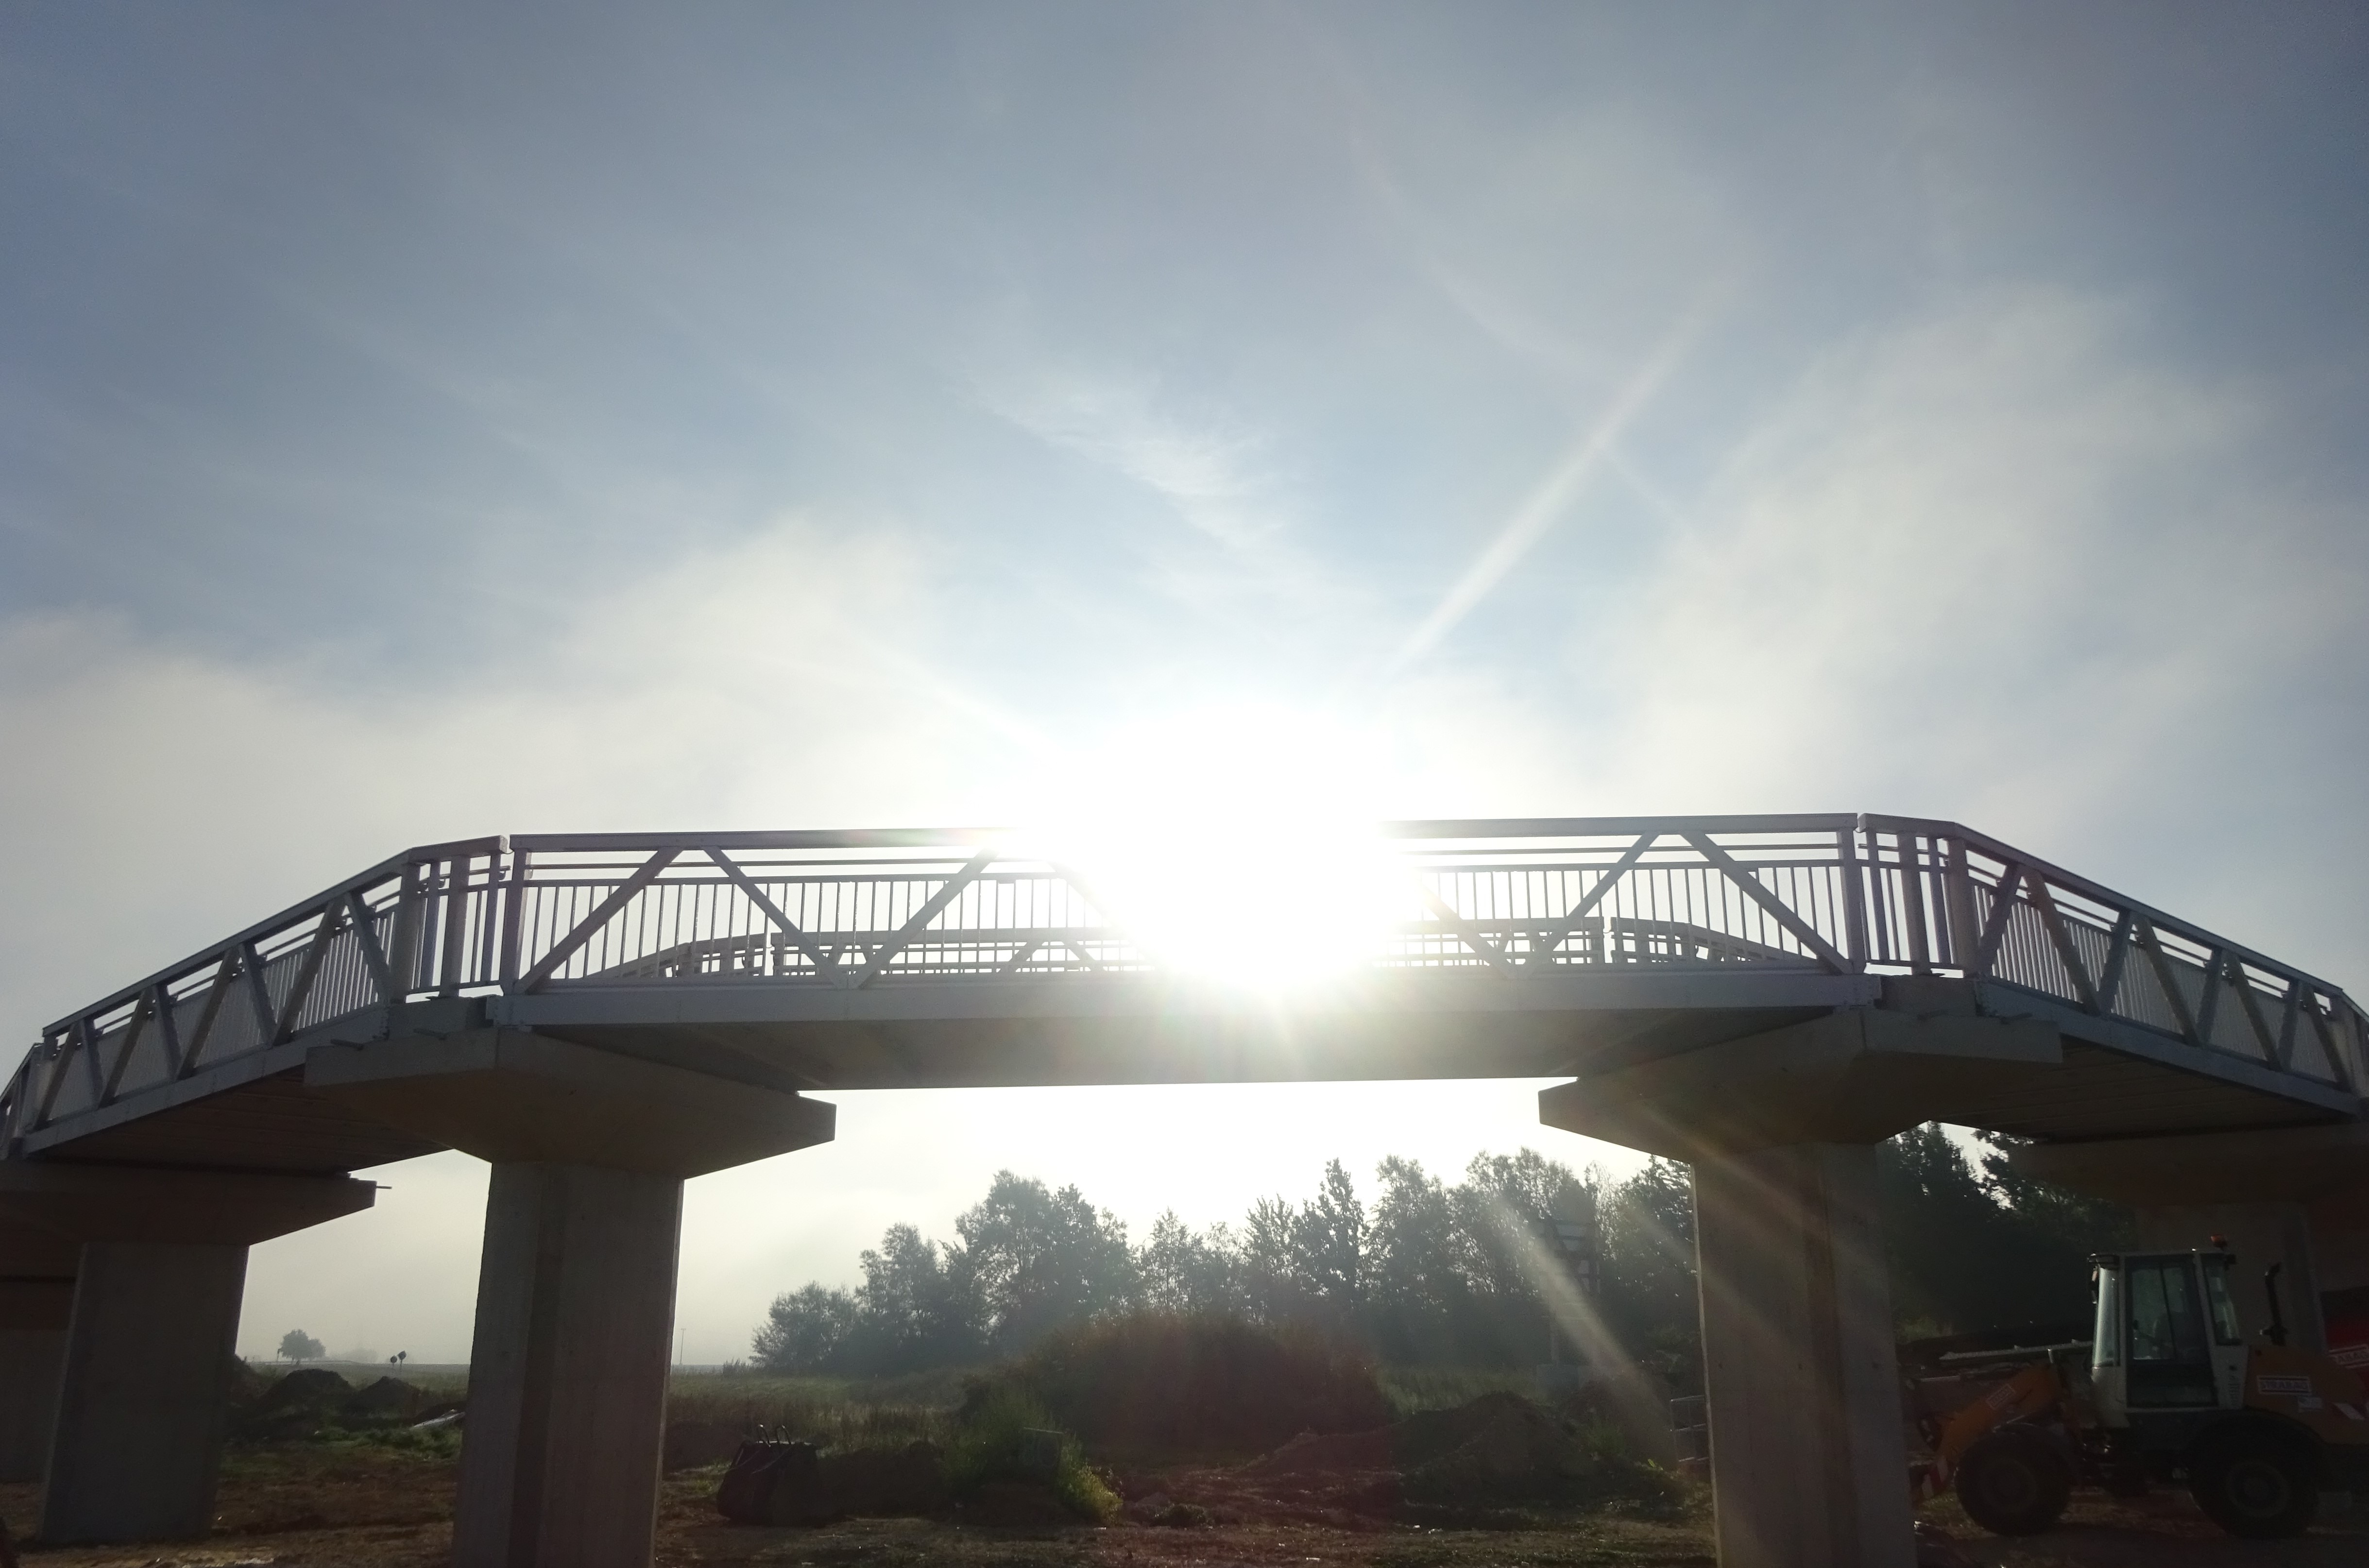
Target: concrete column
point(2260, 1235)
point(1809, 1465)
point(37, 1282)
point(568, 1378)
point(30, 1361)
point(141, 1413)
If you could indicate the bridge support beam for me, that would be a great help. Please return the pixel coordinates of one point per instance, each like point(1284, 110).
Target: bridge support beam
point(37, 1283)
point(567, 1377)
point(159, 1264)
point(141, 1398)
point(33, 1318)
point(1808, 1463)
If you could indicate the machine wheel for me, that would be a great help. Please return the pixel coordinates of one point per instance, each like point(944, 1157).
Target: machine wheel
point(2259, 1485)
point(2014, 1482)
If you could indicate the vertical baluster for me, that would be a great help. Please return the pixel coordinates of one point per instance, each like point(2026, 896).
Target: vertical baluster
point(456, 923)
point(414, 930)
point(1912, 897)
point(1854, 898)
point(513, 917)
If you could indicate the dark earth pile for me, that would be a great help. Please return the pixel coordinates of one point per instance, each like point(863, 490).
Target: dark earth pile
point(313, 1404)
point(1162, 1384)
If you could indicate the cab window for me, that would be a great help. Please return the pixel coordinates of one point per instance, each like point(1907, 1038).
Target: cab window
point(2169, 1362)
point(2106, 1347)
point(2216, 1296)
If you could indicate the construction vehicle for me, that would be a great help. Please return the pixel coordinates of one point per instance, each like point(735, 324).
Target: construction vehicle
point(2166, 1389)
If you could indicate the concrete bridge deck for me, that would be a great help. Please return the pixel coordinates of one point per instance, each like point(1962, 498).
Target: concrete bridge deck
point(604, 1015)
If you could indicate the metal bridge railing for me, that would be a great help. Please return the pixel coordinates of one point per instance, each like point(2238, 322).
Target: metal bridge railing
point(536, 913)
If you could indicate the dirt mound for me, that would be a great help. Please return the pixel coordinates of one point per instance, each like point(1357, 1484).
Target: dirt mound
point(1376, 1450)
point(1164, 1383)
point(307, 1386)
point(244, 1385)
point(790, 1484)
point(387, 1396)
point(1510, 1431)
point(1498, 1449)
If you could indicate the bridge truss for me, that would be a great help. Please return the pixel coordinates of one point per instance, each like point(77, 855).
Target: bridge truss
point(609, 916)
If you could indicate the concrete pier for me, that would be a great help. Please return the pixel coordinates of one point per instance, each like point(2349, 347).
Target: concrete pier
point(1809, 1460)
point(159, 1261)
point(140, 1400)
point(33, 1317)
point(1799, 1374)
point(567, 1376)
point(37, 1282)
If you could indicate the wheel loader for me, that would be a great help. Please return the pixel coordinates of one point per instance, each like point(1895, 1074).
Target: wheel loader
point(2166, 1390)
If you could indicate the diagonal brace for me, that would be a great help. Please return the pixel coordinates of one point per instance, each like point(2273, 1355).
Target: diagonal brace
point(627, 892)
point(1774, 907)
point(1543, 944)
point(924, 915)
point(1466, 932)
point(822, 961)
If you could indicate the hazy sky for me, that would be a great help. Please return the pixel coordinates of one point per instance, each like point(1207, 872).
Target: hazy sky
point(417, 424)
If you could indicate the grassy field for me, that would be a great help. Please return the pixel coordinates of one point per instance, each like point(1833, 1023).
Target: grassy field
point(358, 1504)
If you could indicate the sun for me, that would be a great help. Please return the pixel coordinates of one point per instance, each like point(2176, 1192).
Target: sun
point(1236, 843)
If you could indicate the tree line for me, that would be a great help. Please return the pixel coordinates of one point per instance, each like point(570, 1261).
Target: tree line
point(1424, 1270)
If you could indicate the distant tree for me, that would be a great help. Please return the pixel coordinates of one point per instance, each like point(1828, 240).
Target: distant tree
point(298, 1346)
point(1327, 1248)
point(1417, 1297)
point(1972, 1250)
point(1183, 1272)
point(1040, 1258)
point(1647, 1270)
point(806, 1331)
point(918, 1306)
point(1273, 1291)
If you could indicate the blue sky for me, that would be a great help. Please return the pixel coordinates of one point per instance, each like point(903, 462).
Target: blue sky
point(418, 422)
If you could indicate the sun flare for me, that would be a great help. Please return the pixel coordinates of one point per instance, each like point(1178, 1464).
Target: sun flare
point(1237, 844)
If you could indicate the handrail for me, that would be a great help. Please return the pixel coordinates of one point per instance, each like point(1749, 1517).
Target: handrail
point(1509, 898)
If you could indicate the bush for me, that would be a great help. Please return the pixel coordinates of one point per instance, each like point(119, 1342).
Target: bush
point(1164, 1383)
point(991, 1445)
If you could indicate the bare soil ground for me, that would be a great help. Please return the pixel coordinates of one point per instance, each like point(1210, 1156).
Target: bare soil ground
point(300, 1507)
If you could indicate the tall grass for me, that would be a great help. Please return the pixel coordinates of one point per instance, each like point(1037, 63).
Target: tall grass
point(989, 1445)
point(831, 1412)
point(1411, 1389)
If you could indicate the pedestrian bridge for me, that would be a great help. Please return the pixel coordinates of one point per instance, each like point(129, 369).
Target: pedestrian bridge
point(1495, 948)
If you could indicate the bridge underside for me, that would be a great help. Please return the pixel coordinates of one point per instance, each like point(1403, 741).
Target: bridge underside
point(1135, 1032)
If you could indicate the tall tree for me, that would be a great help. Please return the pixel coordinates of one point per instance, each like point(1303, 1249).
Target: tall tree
point(1328, 1249)
point(1040, 1258)
point(1415, 1294)
point(806, 1331)
point(1186, 1272)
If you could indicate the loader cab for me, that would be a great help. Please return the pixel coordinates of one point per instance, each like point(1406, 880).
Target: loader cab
point(2166, 1335)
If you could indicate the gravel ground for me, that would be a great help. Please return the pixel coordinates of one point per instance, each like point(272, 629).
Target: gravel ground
point(360, 1508)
